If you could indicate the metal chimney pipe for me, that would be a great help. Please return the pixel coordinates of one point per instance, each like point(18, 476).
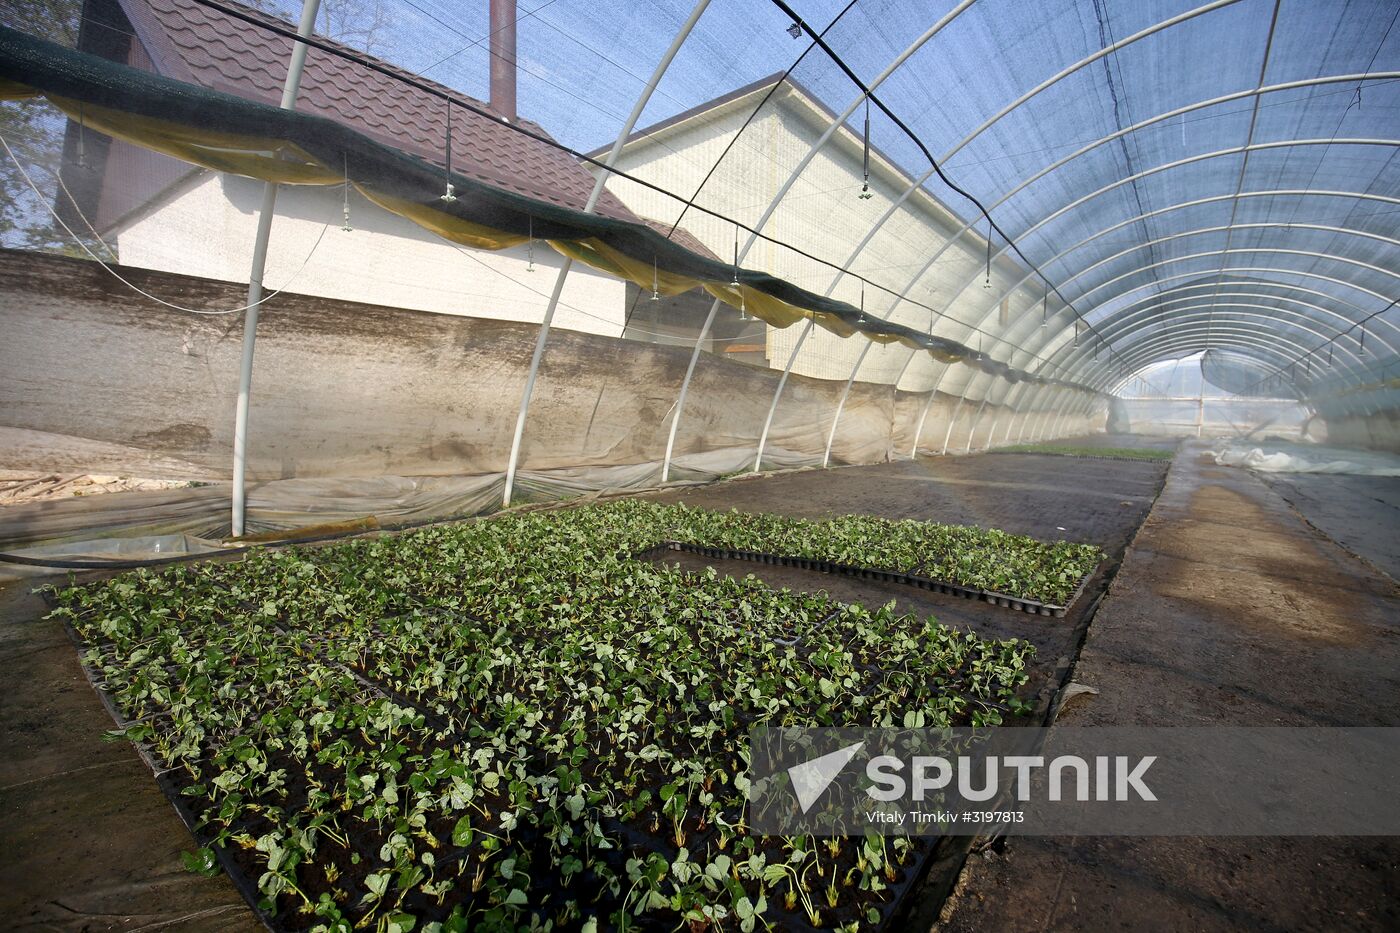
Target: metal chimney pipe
point(503, 58)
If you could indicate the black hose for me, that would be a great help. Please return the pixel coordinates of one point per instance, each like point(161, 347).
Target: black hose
point(221, 552)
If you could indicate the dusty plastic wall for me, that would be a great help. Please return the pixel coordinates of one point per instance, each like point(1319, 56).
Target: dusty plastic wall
point(1379, 431)
point(97, 377)
point(359, 409)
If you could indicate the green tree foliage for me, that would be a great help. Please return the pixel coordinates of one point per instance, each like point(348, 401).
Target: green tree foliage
point(34, 130)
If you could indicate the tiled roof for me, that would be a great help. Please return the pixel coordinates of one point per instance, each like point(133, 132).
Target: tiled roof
point(195, 43)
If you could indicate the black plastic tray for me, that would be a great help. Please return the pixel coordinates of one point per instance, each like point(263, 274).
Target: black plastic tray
point(1018, 603)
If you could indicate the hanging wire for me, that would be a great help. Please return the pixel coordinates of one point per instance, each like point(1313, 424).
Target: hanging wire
point(840, 62)
point(743, 308)
point(865, 187)
point(1045, 310)
point(736, 256)
point(530, 247)
point(82, 140)
point(1361, 344)
point(689, 203)
point(449, 195)
point(655, 280)
point(77, 240)
point(861, 319)
point(345, 205)
point(987, 282)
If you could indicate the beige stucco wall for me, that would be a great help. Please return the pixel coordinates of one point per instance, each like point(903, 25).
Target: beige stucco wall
point(207, 229)
point(823, 215)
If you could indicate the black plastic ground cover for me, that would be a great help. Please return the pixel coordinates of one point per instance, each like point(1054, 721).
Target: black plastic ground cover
point(892, 910)
point(1020, 604)
point(1051, 453)
point(240, 880)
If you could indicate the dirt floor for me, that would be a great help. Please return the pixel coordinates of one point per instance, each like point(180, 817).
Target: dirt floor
point(1229, 608)
point(89, 842)
point(1361, 513)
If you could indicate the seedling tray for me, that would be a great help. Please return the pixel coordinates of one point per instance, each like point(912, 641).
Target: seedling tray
point(1020, 604)
point(235, 873)
point(251, 643)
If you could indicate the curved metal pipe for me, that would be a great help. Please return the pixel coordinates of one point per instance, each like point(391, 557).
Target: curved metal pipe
point(1168, 345)
point(1049, 82)
point(1256, 92)
point(1267, 340)
point(1061, 211)
point(1010, 291)
point(1140, 320)
point(816, 147)
point(598, 185)
point(1236, 150)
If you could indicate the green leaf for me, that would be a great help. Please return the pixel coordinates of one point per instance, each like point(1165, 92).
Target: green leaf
point(201, 861)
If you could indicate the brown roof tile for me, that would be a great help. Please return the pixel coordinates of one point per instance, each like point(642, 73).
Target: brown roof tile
point(194, 43)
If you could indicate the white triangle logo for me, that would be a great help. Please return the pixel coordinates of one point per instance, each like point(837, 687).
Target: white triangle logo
point(811, 778)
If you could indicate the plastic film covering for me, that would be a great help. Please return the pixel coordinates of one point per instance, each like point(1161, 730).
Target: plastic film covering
point(825, 233)
point(1212, 394)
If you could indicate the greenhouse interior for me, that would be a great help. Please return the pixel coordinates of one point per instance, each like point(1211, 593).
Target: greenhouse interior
point(583, 465)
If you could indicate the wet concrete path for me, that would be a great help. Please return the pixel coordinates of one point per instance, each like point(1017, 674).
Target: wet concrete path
point(1228, 608)
point(87, 839)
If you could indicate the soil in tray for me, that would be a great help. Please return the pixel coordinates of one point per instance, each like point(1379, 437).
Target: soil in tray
point(911, 577)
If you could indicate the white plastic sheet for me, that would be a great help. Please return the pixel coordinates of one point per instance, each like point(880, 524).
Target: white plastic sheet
point(1282, 457)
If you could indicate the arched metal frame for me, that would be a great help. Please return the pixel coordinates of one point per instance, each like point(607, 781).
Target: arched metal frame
point(1053, 342)
point(1179, 343)
point(602, 181)
point(1176, 345)
point(1204, 275)
point(1157, 169)
point(1032, 93)
point(971, 326)
point(1261, 283)
point(778, 197)
point(1288, 192)
point(1180, 111)
point(1130, 324)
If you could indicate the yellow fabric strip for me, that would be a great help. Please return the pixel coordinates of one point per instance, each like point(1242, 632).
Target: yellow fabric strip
point(257, 157)
point(447, 226)
point(13, 90)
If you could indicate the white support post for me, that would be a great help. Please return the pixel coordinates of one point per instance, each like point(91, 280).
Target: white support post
point(598, 185)
point(1017, 417)
point(781, 193)
point(841, 405)
point(773, 408)
point(255, 284)
point(923, 416)
point(685, 388)
point(976, 419)
point(1036, 431)
point(948, 434)
point(1058, 421)
point(1026, 419)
